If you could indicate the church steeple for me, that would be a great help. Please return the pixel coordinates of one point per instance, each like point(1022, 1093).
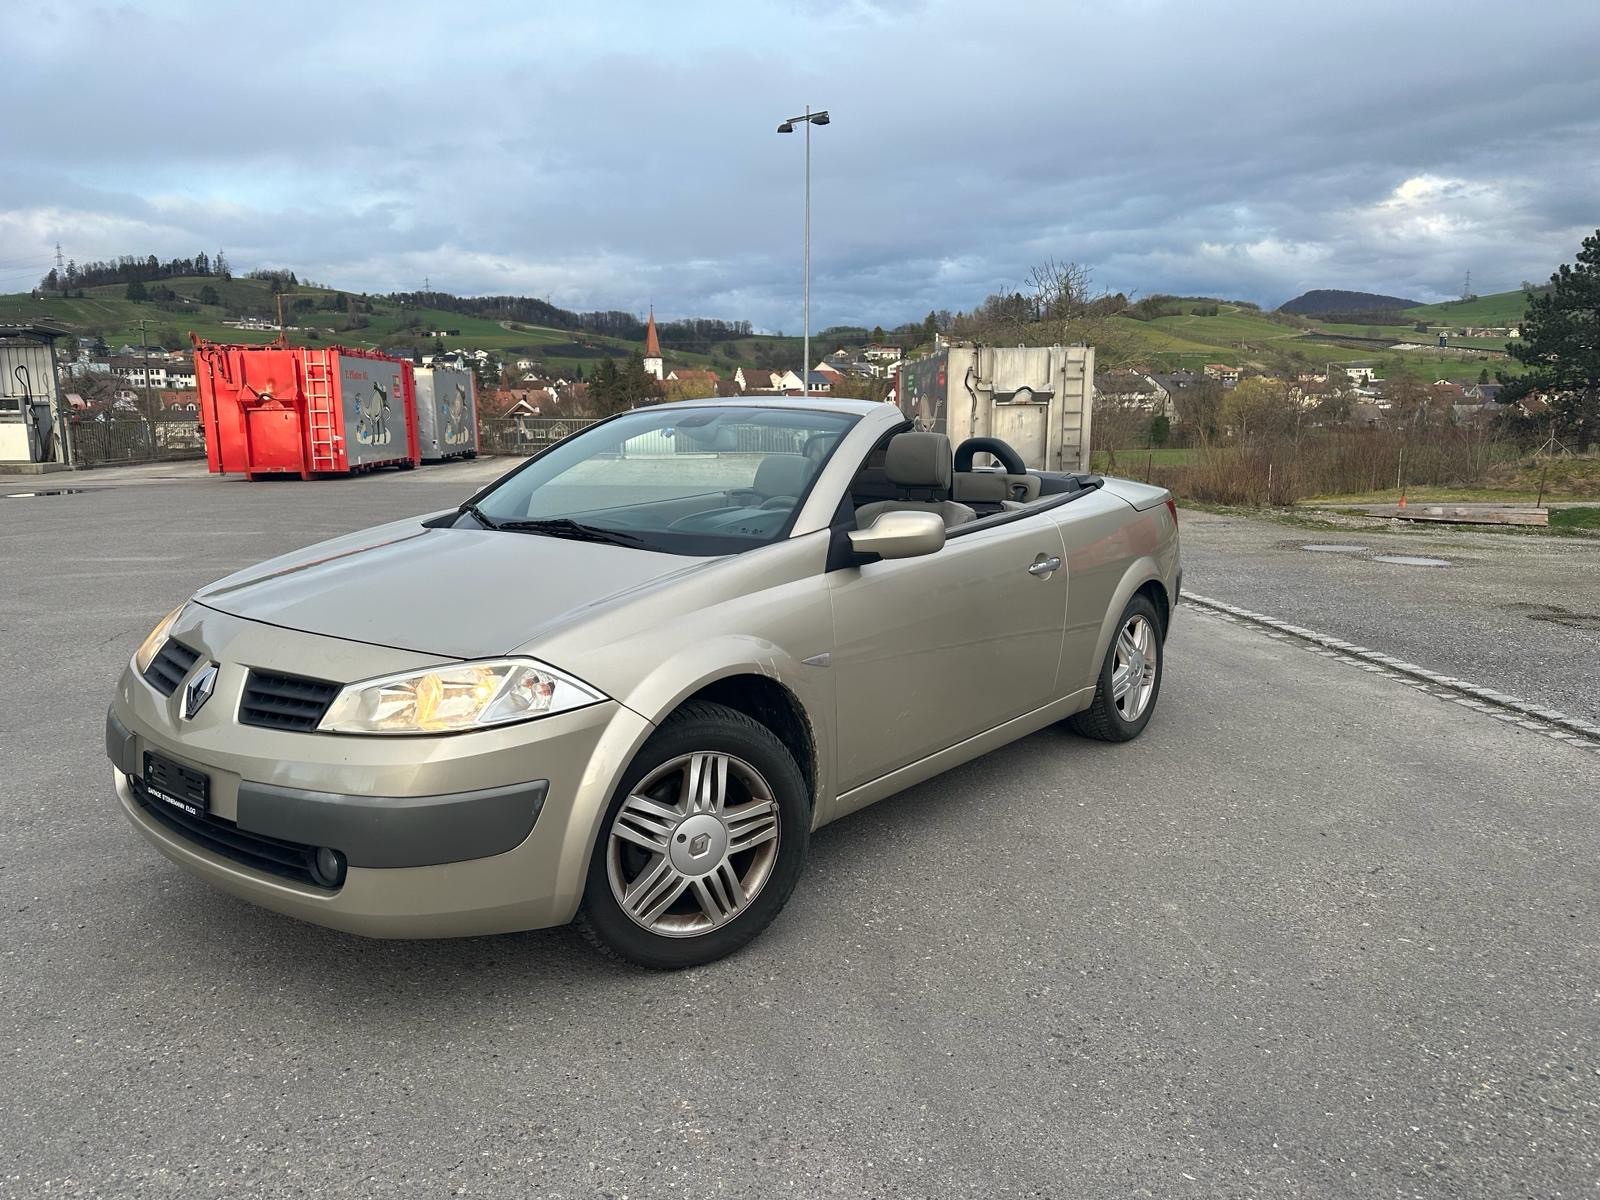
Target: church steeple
point(652, 348)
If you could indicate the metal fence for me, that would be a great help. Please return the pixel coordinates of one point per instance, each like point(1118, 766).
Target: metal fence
point(527, 435)
point(102, 439)
point(524, 435)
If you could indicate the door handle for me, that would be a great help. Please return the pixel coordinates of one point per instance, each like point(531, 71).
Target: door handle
point(1045, 566)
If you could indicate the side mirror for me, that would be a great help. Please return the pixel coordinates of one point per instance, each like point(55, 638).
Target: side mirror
point(903, 534)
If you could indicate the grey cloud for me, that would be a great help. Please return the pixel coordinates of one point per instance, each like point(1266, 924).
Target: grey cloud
point(617, 155)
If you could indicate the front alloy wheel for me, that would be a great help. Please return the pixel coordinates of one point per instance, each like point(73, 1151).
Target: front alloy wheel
point(693, 844)
point(702, 843)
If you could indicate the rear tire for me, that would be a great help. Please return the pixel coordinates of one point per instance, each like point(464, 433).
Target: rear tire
point(1130, 678)
point(701, 845)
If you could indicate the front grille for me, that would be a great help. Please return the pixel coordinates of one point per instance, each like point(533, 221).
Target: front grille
point(287, 860)
point(172, 662)
point(285, 701)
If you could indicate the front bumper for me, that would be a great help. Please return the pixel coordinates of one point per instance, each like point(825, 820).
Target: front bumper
point(368, 831)
point(484, 832)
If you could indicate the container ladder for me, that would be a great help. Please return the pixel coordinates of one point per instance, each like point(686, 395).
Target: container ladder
point(319, 410)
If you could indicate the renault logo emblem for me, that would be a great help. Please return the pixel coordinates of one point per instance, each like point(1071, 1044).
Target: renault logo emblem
point(699, 844)
point(199, 691)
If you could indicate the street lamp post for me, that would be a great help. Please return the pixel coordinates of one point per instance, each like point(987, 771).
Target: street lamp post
point(808, 119)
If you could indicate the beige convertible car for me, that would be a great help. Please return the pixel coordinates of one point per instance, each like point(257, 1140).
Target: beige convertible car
point(626, 682)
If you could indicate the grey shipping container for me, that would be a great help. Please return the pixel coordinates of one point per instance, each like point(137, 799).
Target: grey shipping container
point(1038, 399)
point(447, 413)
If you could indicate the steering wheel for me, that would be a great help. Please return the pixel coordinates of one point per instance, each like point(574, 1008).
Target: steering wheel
point(1009, 458)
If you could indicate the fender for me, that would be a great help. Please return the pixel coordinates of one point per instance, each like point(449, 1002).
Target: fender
point(657, 696)
point(1139, 572)
point(699, 665)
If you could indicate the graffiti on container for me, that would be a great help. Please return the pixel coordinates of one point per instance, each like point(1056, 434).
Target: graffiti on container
point(453, 417)
point(372, 416)
point(373, 398)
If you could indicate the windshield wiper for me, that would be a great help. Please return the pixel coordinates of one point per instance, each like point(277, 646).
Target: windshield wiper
point(478, 515)
point(566, 527)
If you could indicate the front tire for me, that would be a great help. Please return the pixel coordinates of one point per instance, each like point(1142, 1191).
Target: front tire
point(701, 845)
point(1130, 678)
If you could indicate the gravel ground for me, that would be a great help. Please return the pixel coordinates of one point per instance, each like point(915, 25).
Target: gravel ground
point(1314, 935)
point(1518, 612)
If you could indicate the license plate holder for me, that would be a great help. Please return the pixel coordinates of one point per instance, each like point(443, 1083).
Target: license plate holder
point(177, 786)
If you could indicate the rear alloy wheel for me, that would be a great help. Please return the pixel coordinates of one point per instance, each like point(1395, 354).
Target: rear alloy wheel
point(1130, 678)
point(702, 844)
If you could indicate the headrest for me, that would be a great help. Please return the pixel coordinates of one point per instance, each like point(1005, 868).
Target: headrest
point(782, 475)
point(979, 485)
point(919, 460)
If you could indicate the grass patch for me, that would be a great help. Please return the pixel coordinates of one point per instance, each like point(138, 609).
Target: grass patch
point(1501, 308)
point(1573, 520)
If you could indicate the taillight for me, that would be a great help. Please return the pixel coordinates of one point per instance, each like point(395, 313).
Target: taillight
point(1172, 507)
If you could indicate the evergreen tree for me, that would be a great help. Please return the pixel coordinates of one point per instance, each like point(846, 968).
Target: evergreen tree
point(604, 388)
point(1560, 345)
point(135, 292)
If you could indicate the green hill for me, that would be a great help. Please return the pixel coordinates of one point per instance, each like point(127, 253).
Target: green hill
point(321, 319)
point(1502, 308)
point(1323, 301)
point(1243, 336)
point(1236, 334)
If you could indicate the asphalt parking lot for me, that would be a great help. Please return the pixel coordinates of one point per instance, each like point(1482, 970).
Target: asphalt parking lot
point(1516, 611)
point(1316, 934)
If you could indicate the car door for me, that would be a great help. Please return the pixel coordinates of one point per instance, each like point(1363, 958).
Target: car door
point(929, 651)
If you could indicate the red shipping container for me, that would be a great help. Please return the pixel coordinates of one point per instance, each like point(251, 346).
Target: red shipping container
point(279, 410)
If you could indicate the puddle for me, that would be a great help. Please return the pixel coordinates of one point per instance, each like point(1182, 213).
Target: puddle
point(1410, 560)
point(1556, 615)
point(1571, 620)
point(46, 492)
point(1332, 548)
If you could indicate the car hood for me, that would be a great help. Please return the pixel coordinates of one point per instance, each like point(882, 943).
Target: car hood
point(458, 593)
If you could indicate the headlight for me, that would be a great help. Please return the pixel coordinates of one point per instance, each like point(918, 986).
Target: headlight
point(455, 698)
point(151, 644)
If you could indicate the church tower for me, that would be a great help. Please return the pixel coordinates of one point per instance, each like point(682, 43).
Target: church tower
point(652, 349)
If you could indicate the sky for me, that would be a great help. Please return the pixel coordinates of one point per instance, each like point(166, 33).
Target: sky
point(620, 155)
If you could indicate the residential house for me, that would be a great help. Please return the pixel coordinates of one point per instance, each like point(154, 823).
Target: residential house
point(684, 383)
point(1178, 381)
point(1130, 389)
point(1474, 414)
point(1224, 374)
point(755, 379)
point(155, 375)
point(176, 402)
point(879, 352)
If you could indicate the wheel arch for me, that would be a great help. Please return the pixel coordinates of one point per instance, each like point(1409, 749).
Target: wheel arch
point(760, 679)
point(1143, 577)
point(769, 702)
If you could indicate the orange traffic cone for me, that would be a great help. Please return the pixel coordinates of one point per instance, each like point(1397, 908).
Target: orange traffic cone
point(1402, 503)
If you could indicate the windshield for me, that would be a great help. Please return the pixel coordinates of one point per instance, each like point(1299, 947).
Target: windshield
point(681, 480)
